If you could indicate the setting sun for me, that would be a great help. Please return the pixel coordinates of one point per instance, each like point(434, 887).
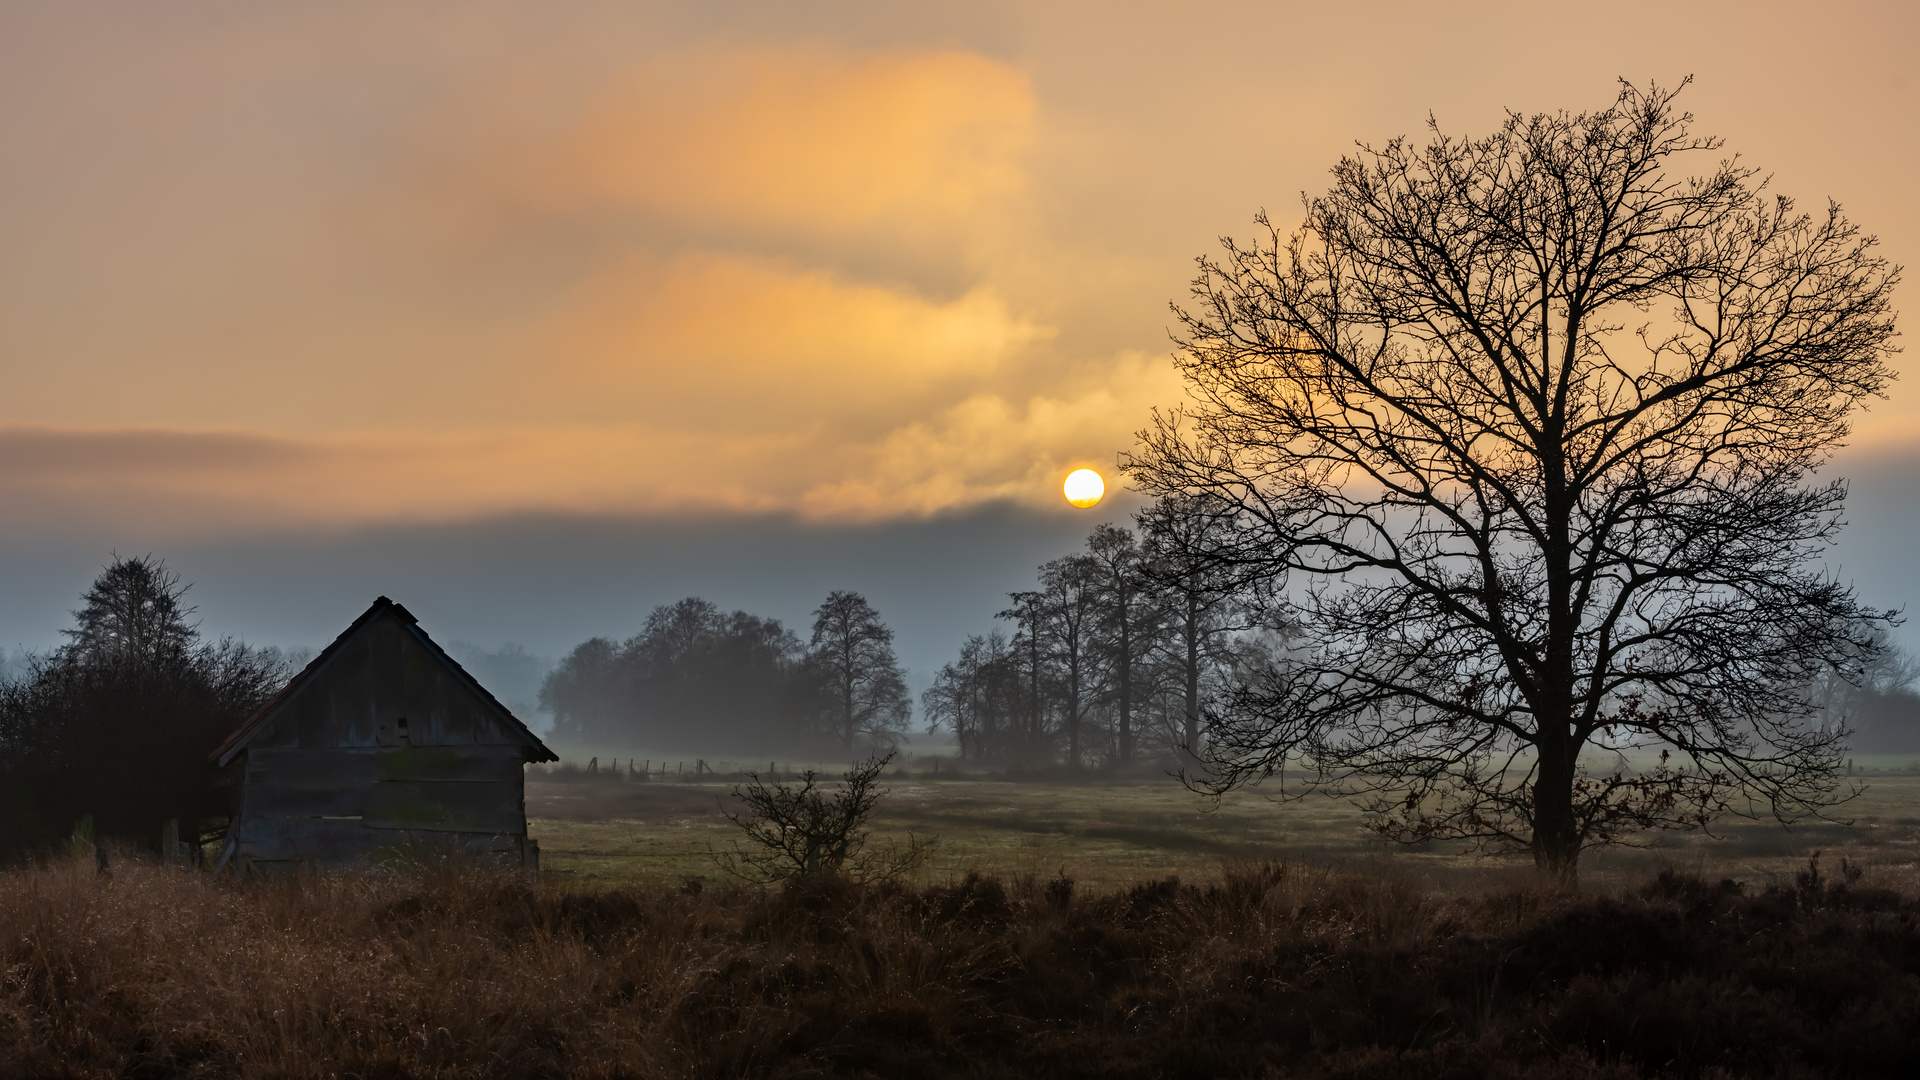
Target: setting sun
point(1084, 487)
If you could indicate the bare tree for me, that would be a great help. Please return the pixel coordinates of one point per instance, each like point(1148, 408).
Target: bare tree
point(1536, 417)
point(866, 693)
point(1130, 618)
point(1069, 610)
point(134, 612)
point(1207, 599)
point(976, 696)
point(1030, 652)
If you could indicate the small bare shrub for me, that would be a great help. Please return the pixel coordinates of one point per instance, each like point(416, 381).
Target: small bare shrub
point(803, 830)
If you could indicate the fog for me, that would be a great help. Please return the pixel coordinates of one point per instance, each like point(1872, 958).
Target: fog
point(544, 584)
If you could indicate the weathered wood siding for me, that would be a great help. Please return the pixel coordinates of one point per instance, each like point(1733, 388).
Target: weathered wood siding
point(382, 675)
point(325, 805)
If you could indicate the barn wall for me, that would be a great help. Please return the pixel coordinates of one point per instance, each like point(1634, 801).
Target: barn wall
point(383, 747)
point(344, 803)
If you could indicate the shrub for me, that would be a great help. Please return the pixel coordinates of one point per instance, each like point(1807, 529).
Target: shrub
point(798, 831)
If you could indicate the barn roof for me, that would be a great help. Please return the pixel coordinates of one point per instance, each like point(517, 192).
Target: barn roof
point(255, 723)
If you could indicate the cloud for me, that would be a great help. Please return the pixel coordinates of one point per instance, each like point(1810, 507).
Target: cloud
point(990, 447)
point(985, 448)
point(796, 279)
point(711, 340)
point(802, 139)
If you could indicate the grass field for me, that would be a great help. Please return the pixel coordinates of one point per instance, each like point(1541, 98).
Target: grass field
point(1110, 835)
point(1294, 947)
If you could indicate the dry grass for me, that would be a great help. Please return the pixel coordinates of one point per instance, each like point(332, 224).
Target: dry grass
point(1275, 970)
point(1111, 835)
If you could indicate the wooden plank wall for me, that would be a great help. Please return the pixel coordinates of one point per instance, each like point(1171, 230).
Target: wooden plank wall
point(380, 675)
point(335, 804)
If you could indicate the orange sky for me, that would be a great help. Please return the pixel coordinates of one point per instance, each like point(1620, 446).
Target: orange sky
point(356, 263)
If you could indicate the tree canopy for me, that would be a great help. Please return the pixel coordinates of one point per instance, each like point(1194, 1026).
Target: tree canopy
point(118, 723)
point(1531, 423)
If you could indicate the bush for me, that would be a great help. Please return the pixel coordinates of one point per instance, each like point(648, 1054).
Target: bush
point(119, 723)
point(801, 831)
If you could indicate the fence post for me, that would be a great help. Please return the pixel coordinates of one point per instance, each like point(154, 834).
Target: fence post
point(170, 842)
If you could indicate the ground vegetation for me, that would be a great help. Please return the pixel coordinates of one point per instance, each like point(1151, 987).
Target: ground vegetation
point(1271, 970)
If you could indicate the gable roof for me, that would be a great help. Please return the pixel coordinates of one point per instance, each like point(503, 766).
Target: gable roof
point(237, 741)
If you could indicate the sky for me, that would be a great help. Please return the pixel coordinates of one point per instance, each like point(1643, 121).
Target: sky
point(533, 316)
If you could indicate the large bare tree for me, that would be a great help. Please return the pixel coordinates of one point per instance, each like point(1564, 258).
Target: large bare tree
point(1532, 420)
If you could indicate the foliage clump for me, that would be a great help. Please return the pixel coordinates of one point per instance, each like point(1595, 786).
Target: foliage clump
point(117, 724)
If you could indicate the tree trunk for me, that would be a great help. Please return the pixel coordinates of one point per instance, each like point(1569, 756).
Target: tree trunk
point(1073, 719)
point(1556, 840)
point(1126, 688)
point(1193, 677)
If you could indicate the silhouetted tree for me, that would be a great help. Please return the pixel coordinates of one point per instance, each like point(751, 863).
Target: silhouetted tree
point(977, 696)
point(118, 723)
point(134, 613)
point(863, 692)
point(1877, 708)
point(694, 678)
point(1130, 623)
point(1206, 600)
point(1031, 659)
point(1537, 414)
point(587, 692)
point(1065, 616)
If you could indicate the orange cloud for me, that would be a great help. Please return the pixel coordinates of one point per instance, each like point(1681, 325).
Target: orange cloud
point(701, 284)
point(985, 447)
point(727, 339)
point(807, 140)
point(992, 447)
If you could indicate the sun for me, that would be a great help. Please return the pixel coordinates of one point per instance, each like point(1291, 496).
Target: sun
point(1084, 487)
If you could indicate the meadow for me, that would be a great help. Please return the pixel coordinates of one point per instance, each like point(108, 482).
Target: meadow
point(1108, 834)
point(453, 970)
point(1112, 929)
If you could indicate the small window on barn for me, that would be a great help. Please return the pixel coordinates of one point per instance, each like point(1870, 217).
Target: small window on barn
point(393, 732)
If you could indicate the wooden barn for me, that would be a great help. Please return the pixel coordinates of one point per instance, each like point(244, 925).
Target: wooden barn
point(383, 743)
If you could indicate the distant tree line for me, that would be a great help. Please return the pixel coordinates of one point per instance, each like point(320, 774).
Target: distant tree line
point(118, 723)
point(1115, 654)
point(1879, 708)
point(1125, 649)
point(696, 678)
